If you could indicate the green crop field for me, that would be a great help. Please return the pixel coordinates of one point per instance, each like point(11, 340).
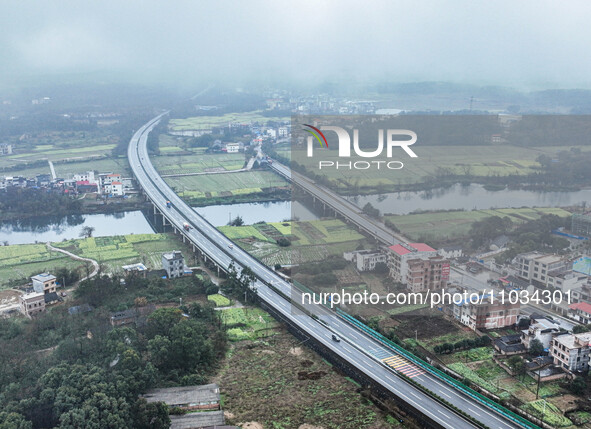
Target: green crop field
point(247, 323)
point(549, 412)
point(326, 231)
point(311, 240)
point(455, 224)
point(247, 231)
point(219, 185)
point(57, 147)
point(197, 162)
point(208, 122)
point(461, 160)
point(22, 261)
point(219, 300)
point(65, 169)
point(113, 252)
point(473, 376)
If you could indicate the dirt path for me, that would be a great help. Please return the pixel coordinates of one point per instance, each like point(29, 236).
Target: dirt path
point(78, 258)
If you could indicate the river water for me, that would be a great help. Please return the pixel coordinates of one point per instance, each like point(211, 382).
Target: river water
point(47, 228)
point(55, 228)
point(470, 197)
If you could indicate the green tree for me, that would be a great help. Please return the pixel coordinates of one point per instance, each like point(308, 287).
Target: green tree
point(152, 415)
point(14, 421)
point(578, 386)
point(517, 365)
point(536, 348)
point(87, 231)
point(162, 321)
point(237, 221)
point(98, 412)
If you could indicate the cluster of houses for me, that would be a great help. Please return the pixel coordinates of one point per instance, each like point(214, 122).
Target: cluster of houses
point(564, 353)
point(107, 184)
point(422, 268)
point(43, 290)
point(416, 265)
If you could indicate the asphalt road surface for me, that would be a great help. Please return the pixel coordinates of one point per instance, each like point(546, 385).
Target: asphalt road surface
point(356, 347)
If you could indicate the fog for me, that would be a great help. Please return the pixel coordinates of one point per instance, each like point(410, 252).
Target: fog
point(525, 44)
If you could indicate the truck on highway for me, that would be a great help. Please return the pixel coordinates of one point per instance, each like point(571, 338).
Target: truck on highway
point(186, 226)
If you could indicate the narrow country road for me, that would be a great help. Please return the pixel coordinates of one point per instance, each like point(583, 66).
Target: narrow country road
point(78, 258)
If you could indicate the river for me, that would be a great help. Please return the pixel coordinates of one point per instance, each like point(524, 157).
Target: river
point(470, 197)
point(56, 228)
point(47, 228)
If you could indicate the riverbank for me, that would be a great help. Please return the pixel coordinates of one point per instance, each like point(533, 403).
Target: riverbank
point(265, 196)
point(90, 205)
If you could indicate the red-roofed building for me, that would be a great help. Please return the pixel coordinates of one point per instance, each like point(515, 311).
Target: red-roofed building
point(418, 266)
point(399, 250)
point(581, 312)
point(84, 186)
point(110, 178)
point(422, 247)
point(114, 189)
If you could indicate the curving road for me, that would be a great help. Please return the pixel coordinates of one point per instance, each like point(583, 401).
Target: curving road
point(359, 349)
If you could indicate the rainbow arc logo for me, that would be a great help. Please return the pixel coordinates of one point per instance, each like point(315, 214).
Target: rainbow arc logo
point(317, 134)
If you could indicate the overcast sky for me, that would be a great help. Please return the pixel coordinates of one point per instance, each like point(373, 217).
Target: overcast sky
point(522, 44)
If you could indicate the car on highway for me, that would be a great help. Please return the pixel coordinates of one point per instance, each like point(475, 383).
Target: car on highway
point(336, 338)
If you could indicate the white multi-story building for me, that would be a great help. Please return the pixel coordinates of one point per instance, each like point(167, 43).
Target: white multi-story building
point(107, 179)
point(283, 131)
point(571, 352)
point(114, 188)
point(537, 266)
point(85, 177)
point(232, 147)
point(173, 263)
point(32, 303)
point(366, 260)
point(44, 283)
point(5, 149)
point(566, 280)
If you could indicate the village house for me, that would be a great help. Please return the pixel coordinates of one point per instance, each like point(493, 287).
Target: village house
point(32, 303)
point(571, 352)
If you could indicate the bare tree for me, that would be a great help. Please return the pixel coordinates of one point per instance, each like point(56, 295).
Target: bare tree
point(87, 231)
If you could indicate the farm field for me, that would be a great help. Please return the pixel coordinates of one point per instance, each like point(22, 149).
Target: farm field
point(113, 252)
point(461, 160)
point(208, 122)
point(489, 375)
point(219, 300)
point(456, 224)
point(19, 262)
point(57, 147)
point(282, 372)
point(195, 160)
point(248, 323)
point(224, 185)
point(67, 169)
point(311, 240)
